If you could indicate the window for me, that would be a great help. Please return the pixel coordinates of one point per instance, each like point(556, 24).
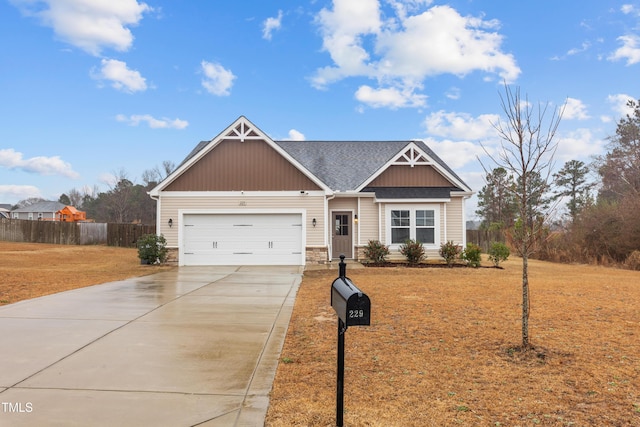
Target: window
point(419, 222)
point(425, 226)
point(342, 225)
point(400, 226)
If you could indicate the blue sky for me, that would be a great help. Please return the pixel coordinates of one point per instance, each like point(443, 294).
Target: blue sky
point(90, 89)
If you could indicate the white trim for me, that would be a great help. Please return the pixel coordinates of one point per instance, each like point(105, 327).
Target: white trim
point(331, 212)
point(242, 121)
point(412, 201)
point(183, 212)
point(412, 207)
point(429, 161)
point(194, 194)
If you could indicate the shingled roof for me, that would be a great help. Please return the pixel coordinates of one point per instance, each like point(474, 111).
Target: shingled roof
point(346, 165)
point(340, 165)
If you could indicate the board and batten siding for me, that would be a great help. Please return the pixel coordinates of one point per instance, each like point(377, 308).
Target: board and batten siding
point(313, 205)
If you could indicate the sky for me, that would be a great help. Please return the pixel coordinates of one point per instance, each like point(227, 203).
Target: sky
point(95, 89)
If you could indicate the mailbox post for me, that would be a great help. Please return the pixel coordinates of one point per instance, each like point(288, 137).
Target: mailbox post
point(353, 308)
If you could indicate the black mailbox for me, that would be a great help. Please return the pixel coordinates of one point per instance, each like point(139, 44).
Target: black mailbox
point(350, 303)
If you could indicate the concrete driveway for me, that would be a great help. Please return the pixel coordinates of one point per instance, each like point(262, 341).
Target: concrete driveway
point(197, 346)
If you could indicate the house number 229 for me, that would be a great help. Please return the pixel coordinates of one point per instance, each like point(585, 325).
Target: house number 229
point(354, 314)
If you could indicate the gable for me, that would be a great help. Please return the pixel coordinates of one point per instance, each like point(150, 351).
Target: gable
point(247, 164)
point(416, 176)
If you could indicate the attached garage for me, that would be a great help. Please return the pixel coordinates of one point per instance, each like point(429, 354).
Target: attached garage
point(242, 239)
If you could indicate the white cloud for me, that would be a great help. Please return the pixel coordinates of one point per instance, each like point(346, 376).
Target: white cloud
point(455, 154)
point(401, 51)
point(120, 76)
point(389, 97)
point(152, 122)
point(627, 9)
point(574, 109)
point(619, 104)
point(578, 144)
point(90, 25)
point(630, 49)
point(461, 125)
point(217, 80)
point(11, 159)
point(295, 135)
point(453, 93)
point(18, 192)
point(270, 25)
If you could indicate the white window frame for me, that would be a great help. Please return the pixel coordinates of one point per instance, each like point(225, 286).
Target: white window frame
point(412, 208)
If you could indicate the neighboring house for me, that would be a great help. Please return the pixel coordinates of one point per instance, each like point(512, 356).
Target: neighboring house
point(70, 214)
point(4, 210)
point(45, 211)
point(243, 198)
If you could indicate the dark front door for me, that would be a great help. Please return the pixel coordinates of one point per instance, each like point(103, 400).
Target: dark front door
point(341, 235)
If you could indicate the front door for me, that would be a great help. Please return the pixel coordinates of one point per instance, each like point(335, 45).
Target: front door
point(341, 235)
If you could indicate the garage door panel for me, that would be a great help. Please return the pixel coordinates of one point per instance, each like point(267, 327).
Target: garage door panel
point(249, 239)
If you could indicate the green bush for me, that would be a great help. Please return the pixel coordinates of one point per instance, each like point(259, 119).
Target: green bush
point(152, 249)
point(471, 255)
point(413, 251)
point(376, 252)
point(450, 252)
point(498, 252)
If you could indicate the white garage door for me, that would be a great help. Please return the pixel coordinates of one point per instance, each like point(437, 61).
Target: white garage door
point(242, 239)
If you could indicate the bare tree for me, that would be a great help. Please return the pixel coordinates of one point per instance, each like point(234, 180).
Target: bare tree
point(527, 151)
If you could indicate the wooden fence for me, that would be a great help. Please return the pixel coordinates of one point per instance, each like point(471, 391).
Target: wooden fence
point(70, 233)
point(126, 235)
point(484, 238)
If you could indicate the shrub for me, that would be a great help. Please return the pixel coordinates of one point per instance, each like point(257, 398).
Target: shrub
point(376, 252)
point(471, 255)
point(413, 251)
point(633, 261)
point(498, 252)
point(152, 249)
point(450, 251)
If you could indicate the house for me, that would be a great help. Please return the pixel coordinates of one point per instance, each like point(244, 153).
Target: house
point(243, 198)
point(70, 214)
point(45, 211)
point(4, 210)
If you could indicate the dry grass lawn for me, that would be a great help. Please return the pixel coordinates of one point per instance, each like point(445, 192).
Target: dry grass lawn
point(29, 270)
point(440, 350)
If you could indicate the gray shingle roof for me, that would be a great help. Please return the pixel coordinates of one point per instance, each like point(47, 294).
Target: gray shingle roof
point(46, 206)
point(344, 165)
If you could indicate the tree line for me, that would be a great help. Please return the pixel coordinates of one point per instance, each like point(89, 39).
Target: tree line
point(589, 212)
point(123, 202)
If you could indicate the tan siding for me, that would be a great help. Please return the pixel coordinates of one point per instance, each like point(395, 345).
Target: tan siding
point(404, 176)
point(454, 220)
point(368, 220)
point(314, 206)
point(251, 165)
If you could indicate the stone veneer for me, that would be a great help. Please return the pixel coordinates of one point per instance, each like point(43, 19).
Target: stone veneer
point(316, 255)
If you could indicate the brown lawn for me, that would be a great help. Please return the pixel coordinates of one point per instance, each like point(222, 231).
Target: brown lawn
point(440, 350)
point(29, 270)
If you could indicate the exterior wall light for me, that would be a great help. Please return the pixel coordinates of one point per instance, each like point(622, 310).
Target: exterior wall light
point(170, 222)
point(356, 219)
point(314, 222)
